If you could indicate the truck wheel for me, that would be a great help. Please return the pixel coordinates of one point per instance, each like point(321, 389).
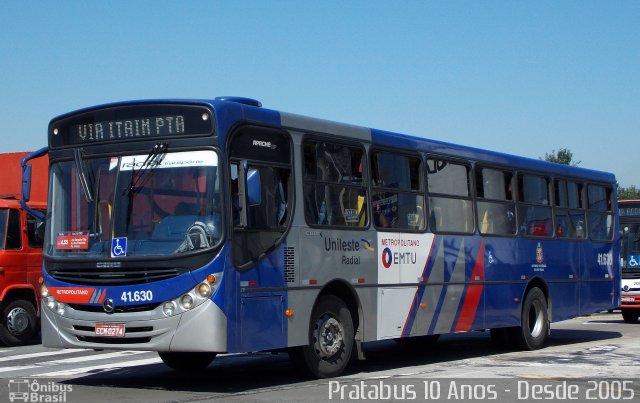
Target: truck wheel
point(19, 323)
point(186, 361)
point(630, 316)
point(532, 332)
point(330, 340)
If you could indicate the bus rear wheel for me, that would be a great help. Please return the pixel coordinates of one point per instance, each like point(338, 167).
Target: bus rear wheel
point(630, 315)
point(19, 323)
point(331, 340)
point(186, 361)
point(532, 332)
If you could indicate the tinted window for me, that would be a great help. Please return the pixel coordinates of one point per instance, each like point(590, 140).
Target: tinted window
point(397, 199)
point(450, 205)
point(335, 193)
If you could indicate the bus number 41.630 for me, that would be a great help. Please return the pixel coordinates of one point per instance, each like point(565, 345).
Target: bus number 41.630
point(136, 296)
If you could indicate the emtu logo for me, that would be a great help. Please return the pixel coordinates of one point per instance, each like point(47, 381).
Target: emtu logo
point(387, 258)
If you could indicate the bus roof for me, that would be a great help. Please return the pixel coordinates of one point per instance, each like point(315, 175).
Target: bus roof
point(250, 109)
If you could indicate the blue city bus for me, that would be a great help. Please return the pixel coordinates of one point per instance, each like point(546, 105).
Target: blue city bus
point(194, 228)
point(630, 259)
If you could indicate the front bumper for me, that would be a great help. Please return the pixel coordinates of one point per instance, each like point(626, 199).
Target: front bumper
point(204, 328)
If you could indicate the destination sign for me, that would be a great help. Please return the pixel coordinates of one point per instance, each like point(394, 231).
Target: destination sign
point(632, 211)
point(131, 123)
point(119, 129)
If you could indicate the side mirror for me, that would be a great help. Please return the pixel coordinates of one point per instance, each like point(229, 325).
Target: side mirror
point(249, 190)
point(254, 188)
point(26, 183)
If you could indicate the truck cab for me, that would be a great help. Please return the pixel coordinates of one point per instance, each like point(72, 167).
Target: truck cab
point(21, 238)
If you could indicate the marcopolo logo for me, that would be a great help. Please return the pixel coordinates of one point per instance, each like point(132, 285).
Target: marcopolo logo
point(27, 390)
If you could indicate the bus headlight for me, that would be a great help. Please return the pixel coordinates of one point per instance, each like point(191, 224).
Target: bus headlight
point(44, 291)
point(51, 303)
point(186, 301)
point(60, 308)
point(196, 296)
point(204, 289)
point(169, 308)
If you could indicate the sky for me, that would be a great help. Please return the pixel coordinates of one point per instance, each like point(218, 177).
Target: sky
point(517, 77)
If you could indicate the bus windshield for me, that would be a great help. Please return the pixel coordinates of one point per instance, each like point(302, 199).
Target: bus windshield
point(630, 246)
point(135, 205)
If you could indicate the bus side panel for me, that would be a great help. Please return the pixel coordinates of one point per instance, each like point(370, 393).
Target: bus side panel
point(451, 299)
point(600, 277)
point(561, 268)
point(255, 313)
point(504, 284)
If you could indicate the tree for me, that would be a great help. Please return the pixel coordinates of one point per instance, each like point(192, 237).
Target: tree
point(562, 156)
point(630, 193)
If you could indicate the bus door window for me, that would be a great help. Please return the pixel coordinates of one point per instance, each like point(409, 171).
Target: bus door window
point(269, 153)
point(534, 210)
point(630, 245)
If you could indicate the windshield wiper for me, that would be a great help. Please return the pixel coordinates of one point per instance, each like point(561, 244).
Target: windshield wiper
point(138, 178)
point(82, 175)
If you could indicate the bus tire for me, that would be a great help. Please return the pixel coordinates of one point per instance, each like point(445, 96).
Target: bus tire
point(532, 332)
point(182, 361)
point(331, 340)
point(19, 323)
point(630, 315)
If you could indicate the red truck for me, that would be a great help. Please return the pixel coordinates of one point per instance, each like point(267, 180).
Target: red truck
point(21, 237)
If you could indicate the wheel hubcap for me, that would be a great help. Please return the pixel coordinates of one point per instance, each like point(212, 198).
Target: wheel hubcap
point(328, 336)
point(536, 319)
point(17, 321)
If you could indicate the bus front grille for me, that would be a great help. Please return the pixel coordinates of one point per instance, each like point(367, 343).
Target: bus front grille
point(116, 309)
point(123, 276)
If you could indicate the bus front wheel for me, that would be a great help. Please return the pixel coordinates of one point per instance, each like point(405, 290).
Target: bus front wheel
point(186, 361)
point(534, 325)
point(331, 340)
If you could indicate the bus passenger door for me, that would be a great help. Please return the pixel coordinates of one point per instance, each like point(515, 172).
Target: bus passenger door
point(260, 204)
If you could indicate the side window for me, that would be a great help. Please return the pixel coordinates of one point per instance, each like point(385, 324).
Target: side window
point(14, 238)
point(600, 213)
point(267, 155)
point(534, 209)
point(450, 204)
point(335, 192)
point(35, 231)
point(495, 205)
point(397, 199)
point(569, 209)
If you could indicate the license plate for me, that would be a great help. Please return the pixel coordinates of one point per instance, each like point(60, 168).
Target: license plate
point(627, 299)
point(109, 330)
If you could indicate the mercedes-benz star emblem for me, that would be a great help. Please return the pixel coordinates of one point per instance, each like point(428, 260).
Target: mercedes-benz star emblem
point(107, 305)
point(625, 288)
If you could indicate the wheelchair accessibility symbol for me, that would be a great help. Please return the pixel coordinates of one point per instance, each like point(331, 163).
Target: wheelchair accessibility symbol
point(118, 247)
point(633, 262)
